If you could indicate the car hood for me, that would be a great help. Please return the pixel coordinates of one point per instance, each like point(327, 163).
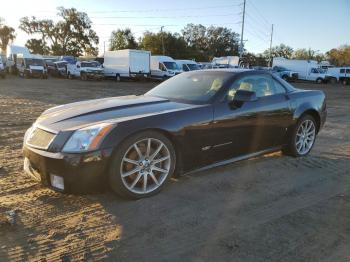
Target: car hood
point(114, 109)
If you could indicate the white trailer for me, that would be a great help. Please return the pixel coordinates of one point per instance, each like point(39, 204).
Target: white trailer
point(187, 65)
point(127, 63)
point(163, 67)
point(307, 69)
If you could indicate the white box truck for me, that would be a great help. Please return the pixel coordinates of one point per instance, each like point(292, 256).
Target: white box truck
point(12, 52)
point(187, 65)
point(307, 69)
point(127, 63)
point(163, 67)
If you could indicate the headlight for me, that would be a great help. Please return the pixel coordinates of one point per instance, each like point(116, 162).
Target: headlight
point(86, 139)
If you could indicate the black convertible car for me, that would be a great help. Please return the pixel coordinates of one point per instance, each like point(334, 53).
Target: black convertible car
point(195, 120)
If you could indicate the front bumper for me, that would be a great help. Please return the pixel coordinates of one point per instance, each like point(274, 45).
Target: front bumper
point(91, 75)
point(80, 173)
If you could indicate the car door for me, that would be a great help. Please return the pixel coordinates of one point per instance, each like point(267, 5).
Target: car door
point(256, 125)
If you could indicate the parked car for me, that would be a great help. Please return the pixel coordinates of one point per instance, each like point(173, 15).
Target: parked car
point(29, 65)
point(195, 120)
point(285, 74)
point(2, 68)
point(308, 70)
point(85, 70)
point(127, 63)
point(59, 69)
point(49, 63)
point(187, 65)
point(163, 67)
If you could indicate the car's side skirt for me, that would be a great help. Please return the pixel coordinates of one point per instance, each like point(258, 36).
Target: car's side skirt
point(235, 159)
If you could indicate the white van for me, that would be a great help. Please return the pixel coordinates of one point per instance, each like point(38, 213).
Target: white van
point(187, 65)
point(163, 67)
point(307, 69)
point(29, 65)
point(127, 63)
point(341, 74)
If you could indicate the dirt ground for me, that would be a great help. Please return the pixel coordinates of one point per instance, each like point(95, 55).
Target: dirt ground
point(271, 208)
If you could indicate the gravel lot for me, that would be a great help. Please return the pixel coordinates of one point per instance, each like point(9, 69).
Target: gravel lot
point(271, 208)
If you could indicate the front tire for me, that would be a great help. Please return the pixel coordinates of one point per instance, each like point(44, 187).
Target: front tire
point(142, 165)
point(302, 138)
point(319, 80)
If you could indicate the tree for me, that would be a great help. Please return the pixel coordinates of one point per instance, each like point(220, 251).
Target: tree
point(174, 44)
point(212, 41)
point(123, 39)
point(339, 56)
point(7, 34)
point(279, 51)
point(250, 59)
point(308, 54)
point(37, 46)
point(72, 35)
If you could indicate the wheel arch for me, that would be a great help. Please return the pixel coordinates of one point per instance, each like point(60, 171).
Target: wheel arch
point(312, 112)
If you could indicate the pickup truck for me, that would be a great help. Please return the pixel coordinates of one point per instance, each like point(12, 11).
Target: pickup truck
point(85, 70)
point(285, 74)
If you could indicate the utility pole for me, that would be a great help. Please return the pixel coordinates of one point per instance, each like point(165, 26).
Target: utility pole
point(270, 60)
point(241, 45)
point(161, 31)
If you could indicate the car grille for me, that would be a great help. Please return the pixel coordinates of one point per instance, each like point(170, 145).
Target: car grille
point(40, 138)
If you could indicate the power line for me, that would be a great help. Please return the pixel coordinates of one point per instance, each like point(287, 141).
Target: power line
point(159, 17)
point(259, 13)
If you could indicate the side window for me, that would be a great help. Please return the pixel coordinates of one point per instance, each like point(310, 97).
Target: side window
point(184, 67)
point(278, 88)
point(342, 71)
point(262, 85)
point(162, 67)
point(347, 71)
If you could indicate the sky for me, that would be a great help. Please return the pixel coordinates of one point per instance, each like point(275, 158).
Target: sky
point(319, 25)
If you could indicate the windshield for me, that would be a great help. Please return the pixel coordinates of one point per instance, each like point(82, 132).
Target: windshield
point(34, 62)
point(193, 66)
point(196, 86)
point(170, 65)
point(61, 65)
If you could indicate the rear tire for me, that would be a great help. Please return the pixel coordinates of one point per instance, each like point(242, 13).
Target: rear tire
point(153, 164)
point(302, 138)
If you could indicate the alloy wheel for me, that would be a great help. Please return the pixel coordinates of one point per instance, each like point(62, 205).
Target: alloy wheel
point(145, 166)
point(305, 137)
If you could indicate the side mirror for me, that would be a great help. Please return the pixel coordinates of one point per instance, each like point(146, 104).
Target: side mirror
point(78, 66)
point(241, 97)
